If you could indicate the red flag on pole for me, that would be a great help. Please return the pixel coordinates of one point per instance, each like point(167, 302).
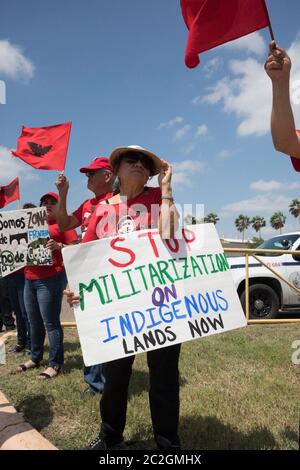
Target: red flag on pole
point(9, 193)
point(44, 148)
point(214, 22)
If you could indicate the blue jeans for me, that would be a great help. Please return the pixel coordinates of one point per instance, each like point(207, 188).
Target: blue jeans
point(43, 299)
point(16, 283)
point(93, 376)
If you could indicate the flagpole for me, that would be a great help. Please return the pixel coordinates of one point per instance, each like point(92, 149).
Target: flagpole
point(19, 205)
point(271, 32)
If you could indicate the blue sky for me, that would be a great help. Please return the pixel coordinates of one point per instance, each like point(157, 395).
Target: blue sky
point(116, 70)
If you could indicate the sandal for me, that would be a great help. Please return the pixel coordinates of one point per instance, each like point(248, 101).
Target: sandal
point(49, 373)
point(28, 365)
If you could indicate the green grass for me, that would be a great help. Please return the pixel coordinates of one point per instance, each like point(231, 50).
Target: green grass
point(239, 390)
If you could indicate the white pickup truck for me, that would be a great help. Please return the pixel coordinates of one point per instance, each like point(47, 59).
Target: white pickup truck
point(267, 293)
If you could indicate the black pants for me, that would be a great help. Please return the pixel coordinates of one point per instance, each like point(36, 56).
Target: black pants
point(6, 317)
point(163, 394)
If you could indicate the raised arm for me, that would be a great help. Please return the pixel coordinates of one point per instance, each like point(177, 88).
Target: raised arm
point(285, 137)
point(65, 221)
point(168, 218)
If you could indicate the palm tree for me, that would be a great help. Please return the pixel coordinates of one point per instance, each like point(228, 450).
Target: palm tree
point(294, 208)
point(258, 223)
point(211, 218)
point(255, 242)
point(242, 223)
point(277, 221)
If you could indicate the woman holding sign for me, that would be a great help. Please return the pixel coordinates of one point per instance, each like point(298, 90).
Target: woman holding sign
point(43, 295)
point(136, 207)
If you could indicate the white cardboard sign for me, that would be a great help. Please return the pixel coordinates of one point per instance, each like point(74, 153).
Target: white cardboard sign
point(23, 237)
point(140, 293)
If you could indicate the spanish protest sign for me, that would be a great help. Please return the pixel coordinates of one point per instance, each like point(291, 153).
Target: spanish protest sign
point(139, 292)
point(23, 237)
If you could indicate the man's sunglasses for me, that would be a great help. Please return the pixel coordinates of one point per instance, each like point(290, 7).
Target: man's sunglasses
point(92, 173)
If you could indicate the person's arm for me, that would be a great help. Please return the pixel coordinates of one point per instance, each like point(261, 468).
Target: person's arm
point(285, 137)
point(65, 238)
point(65, 221)
point(168, 217)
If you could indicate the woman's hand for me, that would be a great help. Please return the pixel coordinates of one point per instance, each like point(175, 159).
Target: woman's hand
point(165, 177)
point(72, 299)
point(52, 245)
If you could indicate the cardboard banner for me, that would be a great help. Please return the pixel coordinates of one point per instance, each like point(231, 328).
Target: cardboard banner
point(140, 293)
point(23, 238)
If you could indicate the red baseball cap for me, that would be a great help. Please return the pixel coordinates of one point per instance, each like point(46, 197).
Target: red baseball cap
point(97, 164)
point(54, 195)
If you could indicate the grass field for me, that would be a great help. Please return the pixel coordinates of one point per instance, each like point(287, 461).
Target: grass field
point(239, 390)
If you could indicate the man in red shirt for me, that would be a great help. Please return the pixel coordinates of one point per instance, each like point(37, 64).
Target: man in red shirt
point(100, 180)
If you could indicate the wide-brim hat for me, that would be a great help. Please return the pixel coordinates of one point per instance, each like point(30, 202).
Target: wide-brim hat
point(117, 152)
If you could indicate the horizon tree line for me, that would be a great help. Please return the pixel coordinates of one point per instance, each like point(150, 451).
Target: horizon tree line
point(243, 222)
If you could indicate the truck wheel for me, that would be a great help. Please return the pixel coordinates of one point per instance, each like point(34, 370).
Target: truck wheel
point(263, 302)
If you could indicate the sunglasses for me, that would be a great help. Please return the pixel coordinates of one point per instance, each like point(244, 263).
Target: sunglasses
point(133, 157)
point(92, 173)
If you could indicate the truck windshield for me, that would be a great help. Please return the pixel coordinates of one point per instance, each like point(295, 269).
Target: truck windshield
point(284, 242)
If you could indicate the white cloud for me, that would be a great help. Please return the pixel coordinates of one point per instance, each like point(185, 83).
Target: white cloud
point(171, 123)
point(197, 100)
point(13, 63)
point(189, 148)
point(239, 96)
point(201, 130)
point(252, 43)
point(10, 167)
point(212, 66)
point(257, 204)
point(182, 132)
point(225, 154)
point(184, 171)
point(272, 185)
point(246, 92)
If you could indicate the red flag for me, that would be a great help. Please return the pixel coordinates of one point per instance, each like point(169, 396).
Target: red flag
point(44, 148)
point(214, 22)
point(9, 193)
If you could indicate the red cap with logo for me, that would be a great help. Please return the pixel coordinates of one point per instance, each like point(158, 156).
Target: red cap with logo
point(54, 195)
point(99, 163)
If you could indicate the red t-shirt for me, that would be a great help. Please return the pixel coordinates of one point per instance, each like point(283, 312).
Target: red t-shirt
point(140, 212)
point(42, 272)
point(85, 211)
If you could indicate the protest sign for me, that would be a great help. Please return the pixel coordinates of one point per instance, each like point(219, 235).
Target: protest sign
point(23, 238)
point(139, 292)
